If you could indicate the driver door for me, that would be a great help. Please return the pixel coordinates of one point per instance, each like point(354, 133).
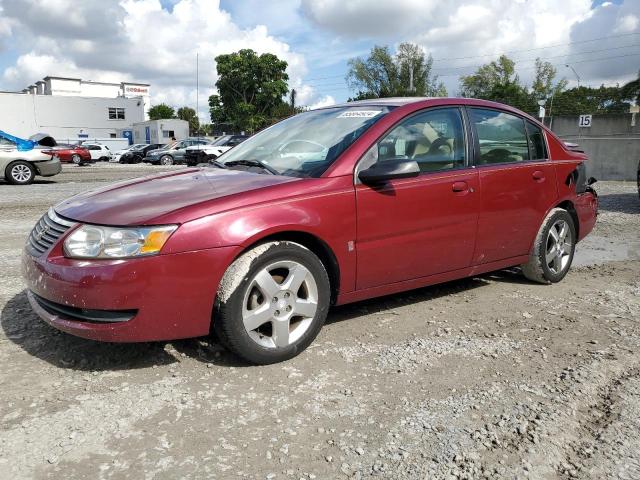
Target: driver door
point(416, 227)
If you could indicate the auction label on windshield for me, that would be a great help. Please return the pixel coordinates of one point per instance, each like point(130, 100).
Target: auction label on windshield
point(359, 114)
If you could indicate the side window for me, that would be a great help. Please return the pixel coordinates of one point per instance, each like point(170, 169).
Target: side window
point(433, 138)
point(502, 136)
point(537, 146)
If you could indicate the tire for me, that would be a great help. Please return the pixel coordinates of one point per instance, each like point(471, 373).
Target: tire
point(166, 160)
point(20, 173)
point(75, 158)
point(553, 249)
point(253, 301)
point(103, 159)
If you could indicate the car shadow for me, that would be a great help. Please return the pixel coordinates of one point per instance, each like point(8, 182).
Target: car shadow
point(386, 304)
point(25, 329)
point(619, 202)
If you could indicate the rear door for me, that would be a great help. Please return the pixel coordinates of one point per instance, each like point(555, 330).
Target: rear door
point(517, 183)
point(416, 227)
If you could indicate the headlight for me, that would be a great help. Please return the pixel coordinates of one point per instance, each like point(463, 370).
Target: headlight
point(92, 241)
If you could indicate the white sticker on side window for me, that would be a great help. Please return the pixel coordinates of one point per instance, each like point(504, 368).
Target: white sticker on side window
point(359, 114)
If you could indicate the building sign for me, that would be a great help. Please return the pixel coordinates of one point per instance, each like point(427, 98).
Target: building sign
point(138, 90)
point(584, 121)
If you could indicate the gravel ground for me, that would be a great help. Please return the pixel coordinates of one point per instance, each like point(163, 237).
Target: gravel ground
point(487, 377)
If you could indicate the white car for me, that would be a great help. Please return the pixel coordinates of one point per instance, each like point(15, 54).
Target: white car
point(210, 151)
point(20, 163)
point(115, 157)
point(98, 151)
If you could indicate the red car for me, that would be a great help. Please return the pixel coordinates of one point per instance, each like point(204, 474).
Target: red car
point(73, 154)
point(331, 206)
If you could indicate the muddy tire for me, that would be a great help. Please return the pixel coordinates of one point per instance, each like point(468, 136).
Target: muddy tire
point(19, 173)
point(272, 302)
point(553, 248)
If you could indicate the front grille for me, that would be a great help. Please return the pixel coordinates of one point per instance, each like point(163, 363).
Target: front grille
point(47, 232)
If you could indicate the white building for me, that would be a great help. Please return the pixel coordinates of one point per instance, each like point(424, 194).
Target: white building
point(160, 131)
point(76, 87)
point(69, 117)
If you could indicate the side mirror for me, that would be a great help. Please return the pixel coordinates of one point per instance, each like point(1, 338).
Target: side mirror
point(591, 180)
point(390, 169)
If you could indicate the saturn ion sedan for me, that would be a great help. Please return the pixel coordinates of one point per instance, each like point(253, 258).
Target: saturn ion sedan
point(328, 207)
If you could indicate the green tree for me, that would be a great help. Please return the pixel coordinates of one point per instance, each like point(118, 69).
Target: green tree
point(595, 101)
point(161, 111)
point(250, 88)
point(498, 81)
point(407, 73)
point(189, 114)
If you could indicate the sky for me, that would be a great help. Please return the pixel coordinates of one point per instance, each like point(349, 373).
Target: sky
point(156, 41)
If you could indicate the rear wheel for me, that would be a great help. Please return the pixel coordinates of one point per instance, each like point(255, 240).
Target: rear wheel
point(272, 302)
point(20, 173)
point(553, 249)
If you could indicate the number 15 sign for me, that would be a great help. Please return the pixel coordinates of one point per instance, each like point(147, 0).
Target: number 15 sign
point(584, 121)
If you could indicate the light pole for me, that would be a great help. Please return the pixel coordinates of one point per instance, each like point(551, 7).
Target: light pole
point(574, 71)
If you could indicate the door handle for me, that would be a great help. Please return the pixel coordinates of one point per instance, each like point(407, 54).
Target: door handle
point(538, 176)
point(460, 187)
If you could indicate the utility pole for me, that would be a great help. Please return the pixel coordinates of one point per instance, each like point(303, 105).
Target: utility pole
point(411, 87)
point(198, 89)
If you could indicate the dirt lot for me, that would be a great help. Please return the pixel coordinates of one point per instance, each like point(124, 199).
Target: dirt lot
point(488, 377)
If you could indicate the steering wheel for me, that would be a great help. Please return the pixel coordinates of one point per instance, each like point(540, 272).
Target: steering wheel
point(439, 142)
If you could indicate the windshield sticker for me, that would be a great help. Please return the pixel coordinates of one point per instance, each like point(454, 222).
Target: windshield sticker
point(360, 114)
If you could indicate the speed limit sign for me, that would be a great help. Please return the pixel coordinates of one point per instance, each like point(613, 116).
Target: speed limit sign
point(584, 121)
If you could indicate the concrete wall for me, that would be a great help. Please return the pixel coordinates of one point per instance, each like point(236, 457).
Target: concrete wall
point(612, 143)
point(65, 117)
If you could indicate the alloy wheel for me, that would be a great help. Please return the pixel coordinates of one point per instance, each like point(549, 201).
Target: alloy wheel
point(559, 245)
point(21, 173)
point(279, 304)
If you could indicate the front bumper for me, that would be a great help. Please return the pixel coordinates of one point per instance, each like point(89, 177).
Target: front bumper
point(163, 297)
point(48, 168)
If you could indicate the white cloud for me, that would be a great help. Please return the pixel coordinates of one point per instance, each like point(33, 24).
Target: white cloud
point(618, 59)
point(135, 40)
point(477, 30)
point(325, 101)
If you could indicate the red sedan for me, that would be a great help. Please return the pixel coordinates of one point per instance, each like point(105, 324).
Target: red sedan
point(331, 206)
point(73, 154)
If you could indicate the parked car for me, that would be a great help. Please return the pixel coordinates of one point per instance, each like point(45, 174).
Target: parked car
point(98, 152)
point(21, 160)
point(73, 154)
point(115, 157)
point(389, 195)
point(137, 155)
point(173, 153)
point(211, 151)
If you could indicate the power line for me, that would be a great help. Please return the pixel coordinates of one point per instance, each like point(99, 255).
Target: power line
point(538, 48)
point(507, 52)
point(541, 58)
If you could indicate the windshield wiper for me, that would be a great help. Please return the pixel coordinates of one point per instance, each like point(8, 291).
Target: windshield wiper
point(216, 163)
point(253, 163)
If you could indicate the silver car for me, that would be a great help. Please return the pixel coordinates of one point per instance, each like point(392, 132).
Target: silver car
point(21, 160)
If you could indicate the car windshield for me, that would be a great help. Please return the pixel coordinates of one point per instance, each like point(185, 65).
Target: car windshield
point(307, 144)
point(221, 141)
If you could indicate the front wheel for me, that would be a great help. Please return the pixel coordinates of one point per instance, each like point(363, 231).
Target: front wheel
point(272, 302)
point(553, 250)
point(20, 173)
point(166, 160)
point(75, 158)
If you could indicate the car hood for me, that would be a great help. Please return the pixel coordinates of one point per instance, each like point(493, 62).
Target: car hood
point(144, 200)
